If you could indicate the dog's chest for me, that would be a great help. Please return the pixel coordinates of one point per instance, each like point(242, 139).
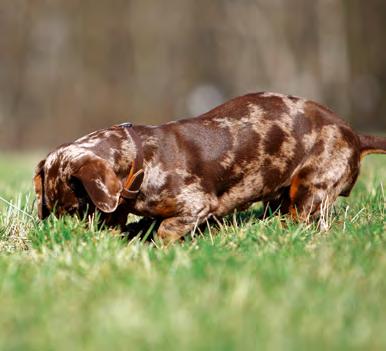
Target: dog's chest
point(157, 194)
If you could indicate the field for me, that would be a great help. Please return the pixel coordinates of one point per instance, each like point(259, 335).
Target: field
point(247, 285)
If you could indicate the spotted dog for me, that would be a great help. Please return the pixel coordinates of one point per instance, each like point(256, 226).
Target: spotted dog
point(288, 152)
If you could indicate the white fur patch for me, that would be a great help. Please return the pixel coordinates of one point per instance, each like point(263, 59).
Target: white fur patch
point(152, 141)
point(102, 186)
point(228, 160)
point(154, 177)
point(294, 107)
point(309, 140)
point(192, 198)
point(89, 143)
point(270, 94)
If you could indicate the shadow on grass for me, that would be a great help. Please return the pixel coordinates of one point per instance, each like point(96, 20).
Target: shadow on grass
point(146, 228)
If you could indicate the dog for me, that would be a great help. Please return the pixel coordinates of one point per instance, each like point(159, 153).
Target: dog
point(293, 154)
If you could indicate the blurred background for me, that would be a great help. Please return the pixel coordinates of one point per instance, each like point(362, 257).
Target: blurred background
point(68, 67)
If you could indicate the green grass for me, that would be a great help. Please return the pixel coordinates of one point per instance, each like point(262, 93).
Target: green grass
point(65, 285)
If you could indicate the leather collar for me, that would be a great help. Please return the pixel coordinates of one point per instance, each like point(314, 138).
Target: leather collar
point(134, 179)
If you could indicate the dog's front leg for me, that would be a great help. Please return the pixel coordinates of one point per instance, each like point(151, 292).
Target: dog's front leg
point(174, 228)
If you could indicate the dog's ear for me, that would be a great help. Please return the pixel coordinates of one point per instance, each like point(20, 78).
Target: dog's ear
point(39, 190)
point(101, 183)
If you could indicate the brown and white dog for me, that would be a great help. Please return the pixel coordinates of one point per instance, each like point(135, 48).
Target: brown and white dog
point(283, 150)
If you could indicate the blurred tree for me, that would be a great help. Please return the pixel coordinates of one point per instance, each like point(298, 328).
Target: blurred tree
point(68, 67)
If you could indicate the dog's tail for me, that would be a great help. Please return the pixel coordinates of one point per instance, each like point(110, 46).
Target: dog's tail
point(372, 145)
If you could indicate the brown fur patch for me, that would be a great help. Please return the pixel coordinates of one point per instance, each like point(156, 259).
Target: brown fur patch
point(274, 140)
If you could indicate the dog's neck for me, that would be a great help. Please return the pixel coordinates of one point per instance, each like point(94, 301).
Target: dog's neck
point(134, 179)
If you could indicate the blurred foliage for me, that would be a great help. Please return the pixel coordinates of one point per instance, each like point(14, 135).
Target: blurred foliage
point(68, 67)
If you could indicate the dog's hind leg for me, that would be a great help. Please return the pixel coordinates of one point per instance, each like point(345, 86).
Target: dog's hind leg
point(312, 192)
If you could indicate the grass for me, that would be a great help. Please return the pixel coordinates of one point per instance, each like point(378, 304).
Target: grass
point(64, 285)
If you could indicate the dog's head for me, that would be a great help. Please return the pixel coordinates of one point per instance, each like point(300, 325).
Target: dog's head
point(74, 182)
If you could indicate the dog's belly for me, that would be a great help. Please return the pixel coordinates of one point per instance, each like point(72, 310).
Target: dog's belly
point(250, 189)
point(237, 185)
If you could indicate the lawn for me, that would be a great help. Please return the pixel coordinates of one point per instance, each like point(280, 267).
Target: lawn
point(247, 285)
